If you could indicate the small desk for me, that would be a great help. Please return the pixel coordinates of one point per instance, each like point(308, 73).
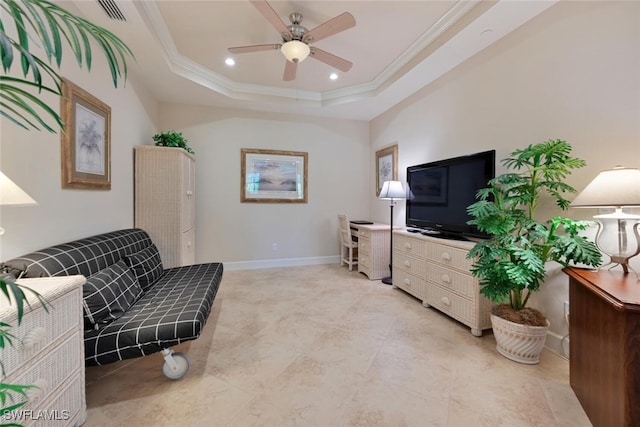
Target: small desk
point(604, 365)
point(373, 249)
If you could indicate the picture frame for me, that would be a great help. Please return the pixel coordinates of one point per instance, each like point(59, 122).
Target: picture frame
point(386, 166)
point(85, 140)
point(273, 176)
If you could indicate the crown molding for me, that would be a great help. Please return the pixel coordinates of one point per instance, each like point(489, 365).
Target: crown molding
point(193, 71)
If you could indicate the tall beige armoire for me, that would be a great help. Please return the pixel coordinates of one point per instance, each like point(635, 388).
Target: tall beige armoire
point(165, 201)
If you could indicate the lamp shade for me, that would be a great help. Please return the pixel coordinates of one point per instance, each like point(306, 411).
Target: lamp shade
point(295, 51)
point(11, 194)
point(392, 190)
point(615, 187)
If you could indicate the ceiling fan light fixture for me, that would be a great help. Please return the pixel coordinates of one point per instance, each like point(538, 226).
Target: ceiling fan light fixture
point(295, 50)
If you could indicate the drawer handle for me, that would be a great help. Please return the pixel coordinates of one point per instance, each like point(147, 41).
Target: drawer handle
point(40, 386)
point(446, 279)
point(407, 245)
point(446, 256)
point(33, 337)
point(407, 282)
point(407, 263)
point(445, 301)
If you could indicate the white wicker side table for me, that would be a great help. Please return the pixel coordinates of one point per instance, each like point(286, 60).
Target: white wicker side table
point(47, 352)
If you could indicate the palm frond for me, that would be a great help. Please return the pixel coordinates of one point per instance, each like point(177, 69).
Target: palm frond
point(50, 26)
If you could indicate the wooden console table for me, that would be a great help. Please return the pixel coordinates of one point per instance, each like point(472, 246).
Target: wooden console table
point(604, 347)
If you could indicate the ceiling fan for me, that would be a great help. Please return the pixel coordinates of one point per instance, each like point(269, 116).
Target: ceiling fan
point(296, 39)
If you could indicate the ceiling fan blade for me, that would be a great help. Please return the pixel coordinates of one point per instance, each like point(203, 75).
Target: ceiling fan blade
point(331, 59)
point(331, 27)
point(290, 71)
point(254, 48)
point(267, 11)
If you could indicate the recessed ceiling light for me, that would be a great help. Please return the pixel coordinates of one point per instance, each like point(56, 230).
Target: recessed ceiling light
point(333, 76)
point(230, 62)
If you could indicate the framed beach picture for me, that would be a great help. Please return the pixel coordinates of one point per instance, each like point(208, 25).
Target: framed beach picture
point(273, 176)
point(85, 140)
point(386, 166)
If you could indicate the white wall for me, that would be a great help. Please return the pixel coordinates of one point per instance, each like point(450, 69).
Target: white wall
point(32, 160)
point(572, 73)
point(242, 234)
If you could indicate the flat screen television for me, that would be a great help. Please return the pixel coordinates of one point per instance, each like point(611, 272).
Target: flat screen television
point(440, 191)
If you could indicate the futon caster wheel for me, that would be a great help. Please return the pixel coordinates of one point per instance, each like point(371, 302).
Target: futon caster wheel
point(179, 368)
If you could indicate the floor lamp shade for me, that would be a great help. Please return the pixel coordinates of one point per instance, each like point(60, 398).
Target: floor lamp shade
point(618, 232)
point(391, 190)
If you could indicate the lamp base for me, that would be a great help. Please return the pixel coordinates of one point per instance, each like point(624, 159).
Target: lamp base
point(387, 280)
point(624, 263)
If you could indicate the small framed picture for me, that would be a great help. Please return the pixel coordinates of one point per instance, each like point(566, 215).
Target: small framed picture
point(386, 166)
point(273, 176)
point(85, 140)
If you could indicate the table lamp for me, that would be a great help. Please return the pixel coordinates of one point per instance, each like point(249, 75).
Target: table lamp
point(391, 190)
point(12, 195)
point(618, 235)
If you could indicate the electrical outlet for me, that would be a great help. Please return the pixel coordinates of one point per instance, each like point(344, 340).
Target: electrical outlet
point(274, 246)
point(566, 311)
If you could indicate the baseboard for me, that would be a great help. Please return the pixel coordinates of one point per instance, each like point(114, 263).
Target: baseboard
point(559, 344)
point(286, 262)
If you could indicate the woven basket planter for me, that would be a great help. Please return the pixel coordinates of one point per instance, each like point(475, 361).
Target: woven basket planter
point(520, 343)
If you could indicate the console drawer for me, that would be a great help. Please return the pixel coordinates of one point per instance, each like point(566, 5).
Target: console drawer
point(409, 264)
point(453, 305)
point(409, 283)
point(409, 245)
point(449, 256)
point(462, 284)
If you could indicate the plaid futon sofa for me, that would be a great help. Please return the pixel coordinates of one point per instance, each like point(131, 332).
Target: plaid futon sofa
point(132, 306)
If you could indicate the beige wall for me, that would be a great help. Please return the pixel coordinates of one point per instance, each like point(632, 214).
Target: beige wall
point(571, 73)
point(32, 160)
point(242, 234)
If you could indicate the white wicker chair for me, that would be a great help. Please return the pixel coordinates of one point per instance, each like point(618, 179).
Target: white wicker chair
point(348, 243)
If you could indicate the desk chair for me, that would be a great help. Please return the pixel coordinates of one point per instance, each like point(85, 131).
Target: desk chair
point(348, 243)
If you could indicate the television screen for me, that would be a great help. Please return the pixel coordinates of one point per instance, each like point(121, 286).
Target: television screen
point(439, 193)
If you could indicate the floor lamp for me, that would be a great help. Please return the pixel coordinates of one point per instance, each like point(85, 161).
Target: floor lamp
point(392, 191)
point(618, 233)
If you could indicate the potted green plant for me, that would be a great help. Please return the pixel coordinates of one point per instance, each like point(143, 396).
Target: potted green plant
point(510, 264)
point(172, 139)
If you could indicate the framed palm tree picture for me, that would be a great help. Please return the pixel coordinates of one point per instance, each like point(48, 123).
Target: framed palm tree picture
point(85, 140)
point(386, 166)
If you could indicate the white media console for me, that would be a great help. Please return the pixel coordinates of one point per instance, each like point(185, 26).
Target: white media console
point(436, 271)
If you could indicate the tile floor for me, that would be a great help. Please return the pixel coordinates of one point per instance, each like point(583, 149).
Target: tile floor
point(322, 346)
